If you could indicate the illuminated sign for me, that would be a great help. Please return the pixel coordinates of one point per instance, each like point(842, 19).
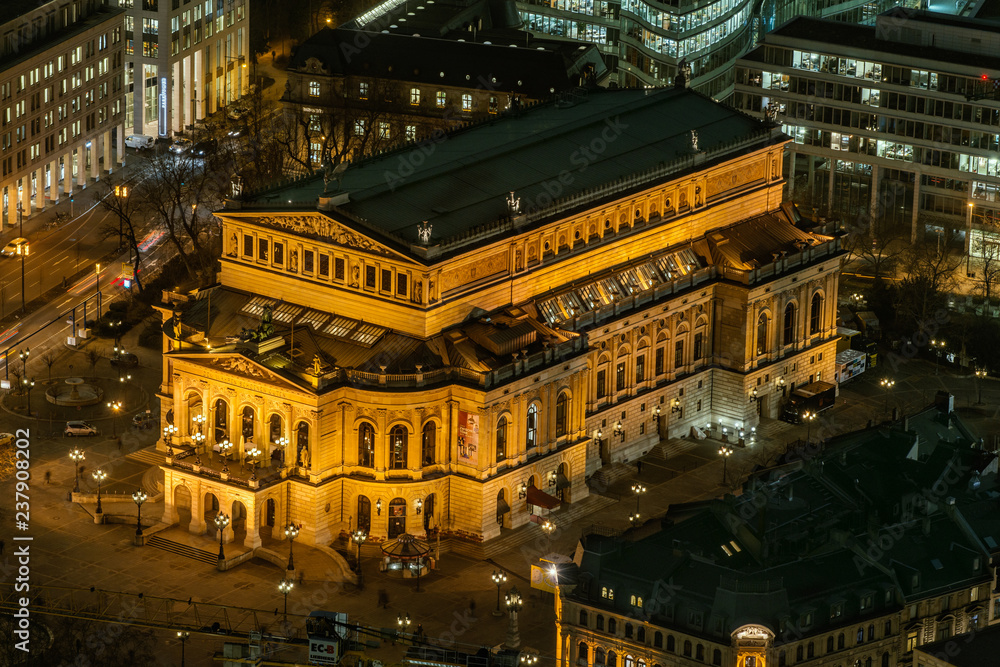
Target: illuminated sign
point(163, 106)
point(324, 652)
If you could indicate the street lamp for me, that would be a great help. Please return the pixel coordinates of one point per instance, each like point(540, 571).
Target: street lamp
point(638, 489)
point(28, 386)
point(77, 456)
point(886, 385)
point(808, 418)
point(139, 497)
point(633, 519)
point(529, 660)
point(198, 439)
point(499, 578)
point(282, 442)
point(980, 375)
point(725, 451)
point(122, 379)
point(548, 527)
point(221, 521)
point(115, 407)
point(199, 421)
point(938, 347)
point(224, 448)
point(183, 636)
point(254, 453)
point(359, 536)
point(23, 251)
point(620, 430)
point(291, 532)
point(285, 586)
point(403, 622)
point(514, 604)
point(100, 476)
point(753, 395)
point(168, 433)
point(24, 354)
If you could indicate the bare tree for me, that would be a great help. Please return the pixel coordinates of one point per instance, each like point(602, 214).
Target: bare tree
point(49, 360)
point(989, 263)
point(878, 243)
point(119, 199)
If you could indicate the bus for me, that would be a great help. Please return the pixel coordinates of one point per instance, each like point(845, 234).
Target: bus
point(814, 397)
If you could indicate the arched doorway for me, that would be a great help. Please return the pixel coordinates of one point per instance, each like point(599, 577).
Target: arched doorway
point(221, 420)
point(428, 444)
point(364, 514)
point(397, 517)
point(563, 485)
point(270, 513)
point(210, 507)
point(247, 426)
point(182, 504)
point(239, 521)
point(429, 521)
point(274, 427)
point(503, 509)
point(194, 408)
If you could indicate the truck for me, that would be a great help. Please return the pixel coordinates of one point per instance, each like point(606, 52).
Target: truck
point(814, 398)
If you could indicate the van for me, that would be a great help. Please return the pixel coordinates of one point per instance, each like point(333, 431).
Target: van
point(139, 141)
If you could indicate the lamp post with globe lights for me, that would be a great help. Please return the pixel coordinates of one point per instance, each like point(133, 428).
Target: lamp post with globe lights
point(638, 490)
point(499, 578)
point(253, 453)
point(183, 635)
point(168, 434)
point(197, 439)
point(285, 586)
point(115, 407)
point(980, 376)
point(291, 532)
point(938, 347)
point(282, 442)
point(77, 456)
point(359, 536)
point(886, 385)
point(28, 386)
point(514, 603)
point(99, 477)
point(139, 497)
point(224, 447)
point(725, 451)
point(221, 521)
point(808, 417)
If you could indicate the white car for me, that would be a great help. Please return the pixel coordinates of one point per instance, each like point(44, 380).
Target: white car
point(15, 247)
point(6, 439)
point(180, 146)
point(74, 428)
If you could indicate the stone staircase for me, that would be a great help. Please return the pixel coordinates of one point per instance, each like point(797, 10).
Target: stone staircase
point(179, 549)
point(602, 480)
point(666, 449)
point(148, 455)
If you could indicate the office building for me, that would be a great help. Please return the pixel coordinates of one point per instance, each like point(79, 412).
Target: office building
point(897, 122)
point(862, 552)
point(184, 60)
point(454, 335)
point(60, 100)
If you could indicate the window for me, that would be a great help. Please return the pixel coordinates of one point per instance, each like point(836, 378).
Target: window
point(363, 90)
point(871, 632)
point(397, 448)
point(386, 280)
point(600, 626)
point(911, 641)
point(442, 99)
point(338, 268)
point(612, 627)
point(411, 132)
point(248, 245)
point(717, 657)
point(279, 253)
point(501, 439)
point(359, 127)
point(816, 314)
point(788, 331)
point(829, 644)
point(810, 650)
point(583, 617)
point(262, 249)
point(762, 334)
point(324, 265)
point(658, 362)
point(671, 643)
point(531, 427)
point(836, 610)
point(402, 283)
point(562, 413)
point(581, 649)
point(687, 648)
point(315, 125)
point(370, 277)
point(629, 632)
point(640, 368)
point(658, 639)
point(314, 89)
point(384, 130)
point(308, 261)
point(698, 346)
point(866, 602)
point(620, 377)
point(414, 96)
point(679, 354)
point(466, 102)
point(699, 653)
point(366, 446)
point(602, 383)
point(840, 641)
point(860, 639)
point(428, 444)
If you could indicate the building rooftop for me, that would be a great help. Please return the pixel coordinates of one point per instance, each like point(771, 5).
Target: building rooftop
point(537, 72)
point(976, 650)
point(921, 481)
point(577, 151)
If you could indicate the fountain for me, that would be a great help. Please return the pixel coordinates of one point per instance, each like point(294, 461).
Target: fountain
point(74, 392)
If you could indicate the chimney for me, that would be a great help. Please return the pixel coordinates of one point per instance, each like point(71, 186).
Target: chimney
point(944, 402)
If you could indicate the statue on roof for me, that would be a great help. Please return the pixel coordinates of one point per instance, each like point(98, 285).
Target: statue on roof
point(263, 331)
point(317, 365)
point(694, 140)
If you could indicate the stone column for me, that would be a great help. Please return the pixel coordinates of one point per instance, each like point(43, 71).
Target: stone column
point(54, 180)
point(449, 433)
point(252, 540)
point(67, 173)
point(169, 510)
point(197, 525)
point(26, 196)
point(40, 188)
point(120, 130)
point(875, 209)
point(81, 167)
point(916, 207)
point(106, 144)
point(95, 166)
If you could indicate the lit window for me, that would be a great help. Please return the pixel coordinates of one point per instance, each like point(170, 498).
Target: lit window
point(363, 90)
point(442, 99)
point(411, 132)
point(314, 89)
point(466, 102)
point(414, 96)
point(384, 130)
point(359, 127)
point(314, 123)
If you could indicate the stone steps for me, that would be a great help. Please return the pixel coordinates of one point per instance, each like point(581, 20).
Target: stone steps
point(669, 448)
point(602, 480)
point(179, 549)
point(148, 455)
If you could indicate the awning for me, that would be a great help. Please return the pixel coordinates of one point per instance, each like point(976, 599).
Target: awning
point(539, 498)
point(502, 507)
point(562, 482)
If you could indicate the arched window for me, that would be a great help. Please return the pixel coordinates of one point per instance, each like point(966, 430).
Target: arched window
point(885, 659)
point(658, 639)
point(871, 632)
point(612, 657)
point(762, 334)
point(868, 661)
point(640, 635)
point(671, 643)
point(861, 635)
point(599, 656)
point(829, 644)
point(428, 444)
point(583, 617)
point(816, 314)
point(531, 427)
point(810, 650)
point(502, 439)
point(687, 648)
point(628, 661)
point(562, 414)
point(221, 411)
point(699, 653)
point(716, 657)
point(397, 448)
point(248, 420)
point(301, 439)
point(581, 653)
point(600, 623)
point(798, 654)
point(612, 626)
point(788, 331)
point(840, 641)
point(781, 658)
point(274, 432)
point(366, 445)
point(628, 630)
point(364, 514)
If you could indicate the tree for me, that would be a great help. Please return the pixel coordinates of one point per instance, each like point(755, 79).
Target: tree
point(119, 199)
point(989, 265)
point(49, 360)
point(931, 271)
point(878, 243)
point(179, 194)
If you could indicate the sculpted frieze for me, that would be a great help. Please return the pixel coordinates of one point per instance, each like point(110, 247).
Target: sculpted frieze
point(327, 230)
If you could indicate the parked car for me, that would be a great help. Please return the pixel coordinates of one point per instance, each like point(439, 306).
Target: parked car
point(180, 146)
point(6, 439)
point(15, 247)
point(139, 141)
point(144, 420)
point(125, 360)
point(74, 428)
point(204, 147)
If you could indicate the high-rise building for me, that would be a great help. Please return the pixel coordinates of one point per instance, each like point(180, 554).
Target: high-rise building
point(61, 98)
point(897, 120)
point(454, 335)
point(184, 60)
